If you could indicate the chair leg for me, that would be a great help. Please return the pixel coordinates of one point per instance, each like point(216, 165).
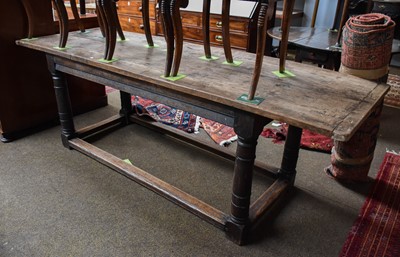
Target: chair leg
point(31, 17)
point(63, 21)
point(76, 16)
point(287, 14)
point(177, 23)
point(146, 22)
point(168, 34)
point(266, 12)
point(112, 29)
point(108, 19)
point(315, 12)
point(100, 19)
point(226, 5)
point(117, 23)
point(206, 28)
point(343, 20)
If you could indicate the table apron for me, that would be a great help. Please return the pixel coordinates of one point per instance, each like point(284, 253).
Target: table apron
point(201, 107)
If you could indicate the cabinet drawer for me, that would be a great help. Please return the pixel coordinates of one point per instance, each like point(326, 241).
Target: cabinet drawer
point(135, 24)
point(196, 34)
point(191, 19)
point(235, 24)
point(237, 40)
point(194, 19)
point(133, 7)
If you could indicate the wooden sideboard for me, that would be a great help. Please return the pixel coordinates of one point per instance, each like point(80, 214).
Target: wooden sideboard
point(130, 15)
point(192, 29)
point(27, 100)
point(242, 29)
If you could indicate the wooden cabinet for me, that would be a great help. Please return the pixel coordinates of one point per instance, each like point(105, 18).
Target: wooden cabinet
point(192, 29)
point(27, 99)
point(130, 15)
point(242, 29)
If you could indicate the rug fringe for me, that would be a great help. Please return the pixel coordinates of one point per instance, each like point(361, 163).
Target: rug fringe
point(228, 141)
point(197, 126)
point(392, 152)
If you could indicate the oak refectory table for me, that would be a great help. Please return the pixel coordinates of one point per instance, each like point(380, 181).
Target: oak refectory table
point(320, 100)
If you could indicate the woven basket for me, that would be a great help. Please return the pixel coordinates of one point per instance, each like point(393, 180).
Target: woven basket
point(367, 45)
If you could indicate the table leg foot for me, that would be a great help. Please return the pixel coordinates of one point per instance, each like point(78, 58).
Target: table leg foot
point(237, 233)
point(5, 139)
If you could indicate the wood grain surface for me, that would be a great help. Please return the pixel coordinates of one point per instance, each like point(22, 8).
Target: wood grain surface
point(323, 101)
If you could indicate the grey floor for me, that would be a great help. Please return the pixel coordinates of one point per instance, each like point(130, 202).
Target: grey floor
point(57, 202)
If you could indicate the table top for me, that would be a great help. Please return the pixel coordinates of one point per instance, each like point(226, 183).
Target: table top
point(323, 101)
point(317, 38)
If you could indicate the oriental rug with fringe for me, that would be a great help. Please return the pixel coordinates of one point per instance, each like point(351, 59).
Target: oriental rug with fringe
point(376, 232)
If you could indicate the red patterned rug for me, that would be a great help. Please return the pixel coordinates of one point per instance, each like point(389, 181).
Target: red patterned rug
point(376, 232)
point(309, 140)
point(221, 134)
point(168, 115)
point(392, 98)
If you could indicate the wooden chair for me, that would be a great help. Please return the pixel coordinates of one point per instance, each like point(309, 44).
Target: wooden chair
point(63, 21)
point(61, 13)
point(226, 4)
point(206, 28)
point(172, 26)
point(75, 13)
point(266, 14)
point(146, 22)
point(106, 14)
point(114, 13)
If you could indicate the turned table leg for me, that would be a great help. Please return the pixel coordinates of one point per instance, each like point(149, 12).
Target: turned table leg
point(291, 153)
point(248, 128)
point(63, 103)
point(126, 105)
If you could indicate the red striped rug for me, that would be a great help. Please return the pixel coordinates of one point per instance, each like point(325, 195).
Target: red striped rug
point(376, 232)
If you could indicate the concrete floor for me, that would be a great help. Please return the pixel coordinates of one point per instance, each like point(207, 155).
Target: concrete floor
point(57, 202)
